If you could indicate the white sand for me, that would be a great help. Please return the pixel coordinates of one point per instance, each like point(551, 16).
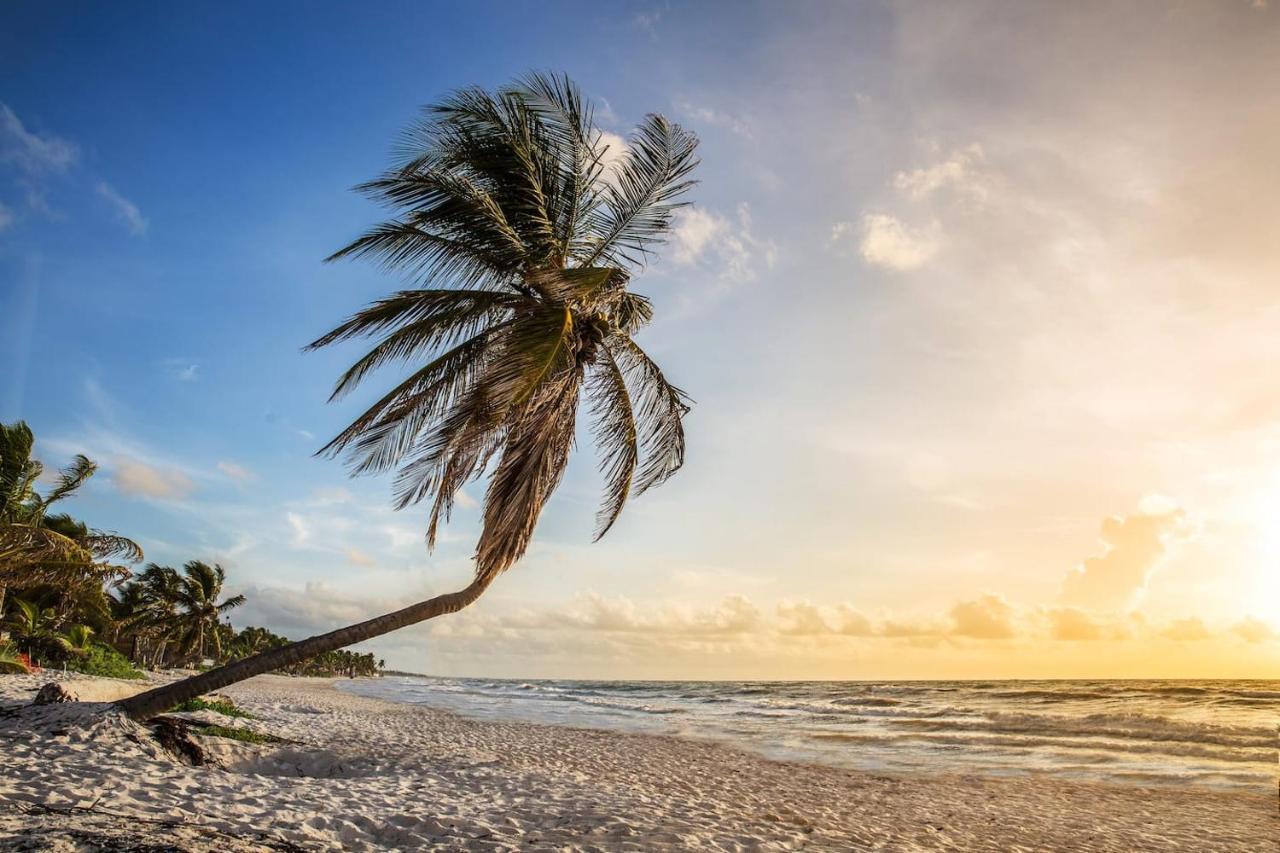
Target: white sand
point(375, 775)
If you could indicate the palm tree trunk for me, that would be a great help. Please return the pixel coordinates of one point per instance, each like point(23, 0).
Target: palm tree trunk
point(161, 699)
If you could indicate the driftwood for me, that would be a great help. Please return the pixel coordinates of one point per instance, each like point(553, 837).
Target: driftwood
point(174, 734)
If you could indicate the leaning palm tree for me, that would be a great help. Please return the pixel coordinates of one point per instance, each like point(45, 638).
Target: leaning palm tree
point(520, 231)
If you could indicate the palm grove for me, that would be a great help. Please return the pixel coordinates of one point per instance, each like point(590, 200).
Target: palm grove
point(69, 600)
point(519, 230)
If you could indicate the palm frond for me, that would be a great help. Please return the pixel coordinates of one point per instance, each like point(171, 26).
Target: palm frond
point(71, 478)
point(531, 466)
point(616, 437)
point(660, 408)
point(639, 202)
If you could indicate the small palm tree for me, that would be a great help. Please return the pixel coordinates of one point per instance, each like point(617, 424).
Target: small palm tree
point(522, 249)
point(76, 640)
point(32, 625)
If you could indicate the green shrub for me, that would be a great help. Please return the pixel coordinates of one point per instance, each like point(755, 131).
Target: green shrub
point(237, 734)
point(222, 706)
point(104, 661)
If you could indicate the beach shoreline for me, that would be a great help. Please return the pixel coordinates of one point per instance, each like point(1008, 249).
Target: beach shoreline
point(361, 773)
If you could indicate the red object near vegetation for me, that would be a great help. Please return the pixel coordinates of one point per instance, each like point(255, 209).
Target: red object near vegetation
point(26, 661)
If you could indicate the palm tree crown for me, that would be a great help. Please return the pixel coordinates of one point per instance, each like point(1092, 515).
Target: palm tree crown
point(521, 244)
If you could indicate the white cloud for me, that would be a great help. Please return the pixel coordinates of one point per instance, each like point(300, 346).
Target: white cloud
point(702, 237)
point(464, 500)
point(126, 211)
point(301, 529)
point(614, 150)
point(358, 558)
point(889, 243)
point(34, 153)
point(6, 217)
point(956, 171)
point(238, 473)
point(137, 478)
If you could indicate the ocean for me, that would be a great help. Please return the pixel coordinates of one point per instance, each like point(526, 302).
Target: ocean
point(1213, 733)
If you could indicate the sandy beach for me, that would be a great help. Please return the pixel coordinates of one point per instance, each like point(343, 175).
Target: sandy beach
point(364, 774)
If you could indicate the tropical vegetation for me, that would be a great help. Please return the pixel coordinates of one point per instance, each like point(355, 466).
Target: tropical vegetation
point(67, 599)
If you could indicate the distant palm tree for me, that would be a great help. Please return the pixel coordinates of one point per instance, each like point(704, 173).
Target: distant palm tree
point(522, 242)
point(196, 595)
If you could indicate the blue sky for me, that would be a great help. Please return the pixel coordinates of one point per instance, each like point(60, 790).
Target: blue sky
point(903, 303)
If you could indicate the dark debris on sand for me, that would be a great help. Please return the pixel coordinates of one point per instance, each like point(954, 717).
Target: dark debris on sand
point(84, 830)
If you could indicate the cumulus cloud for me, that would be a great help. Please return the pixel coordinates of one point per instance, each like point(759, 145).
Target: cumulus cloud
point(735, 614)
point(1135, 545)
point(885, 241)
point(852, 623)
point(126, 211)
point(700, 236)
point(140, 479)
point(801, 618)
point(989, 617)
point(1070, 623)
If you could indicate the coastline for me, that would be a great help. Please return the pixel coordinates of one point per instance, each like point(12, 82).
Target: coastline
point(368, 774)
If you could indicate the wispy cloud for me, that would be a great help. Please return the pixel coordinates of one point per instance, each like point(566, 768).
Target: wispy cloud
point(237, 473)
point(136, 478)
point(32, 152)
point(182, 369)
point(300, 529)
point(126, 211)
point(701, 114)
point(32, 157)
